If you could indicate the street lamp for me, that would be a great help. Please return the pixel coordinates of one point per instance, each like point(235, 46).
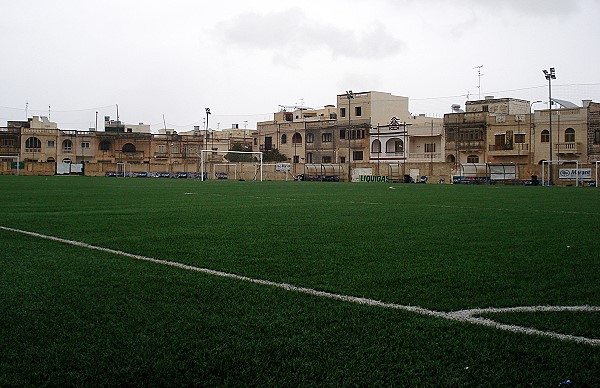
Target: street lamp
point(349, 96)
point(206, 127)
point(550, 75)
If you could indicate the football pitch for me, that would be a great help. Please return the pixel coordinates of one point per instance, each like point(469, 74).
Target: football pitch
point(130, 281)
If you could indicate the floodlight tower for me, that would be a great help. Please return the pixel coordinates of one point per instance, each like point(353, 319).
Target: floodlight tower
point(550, 75)
point(349, 96)
point(206, 127)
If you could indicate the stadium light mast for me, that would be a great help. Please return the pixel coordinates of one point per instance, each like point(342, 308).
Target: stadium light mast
point(531, 136)
point(349, 96)
point(206, 127)
point(550, 75)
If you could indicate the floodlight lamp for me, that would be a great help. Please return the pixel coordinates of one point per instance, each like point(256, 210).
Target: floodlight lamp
point(207, 111)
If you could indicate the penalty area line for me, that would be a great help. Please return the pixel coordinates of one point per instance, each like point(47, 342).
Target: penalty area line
point(465, 316)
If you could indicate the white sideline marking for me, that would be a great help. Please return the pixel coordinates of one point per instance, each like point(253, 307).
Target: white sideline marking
point(467, 316)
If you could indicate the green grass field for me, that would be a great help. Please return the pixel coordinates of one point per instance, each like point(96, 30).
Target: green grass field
point(71, 315)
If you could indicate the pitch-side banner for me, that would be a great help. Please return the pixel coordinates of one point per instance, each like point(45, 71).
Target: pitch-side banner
point(570, 174)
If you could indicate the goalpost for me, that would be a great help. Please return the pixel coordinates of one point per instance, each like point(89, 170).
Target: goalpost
point(13, 157)
point(256, 157)
point(122, 169)
point(546, 182)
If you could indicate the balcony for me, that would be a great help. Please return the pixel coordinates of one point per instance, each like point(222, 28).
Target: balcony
point(422, 157)
point(471, 145)
point(569, 148)
point(131, 156)
point(509, 149)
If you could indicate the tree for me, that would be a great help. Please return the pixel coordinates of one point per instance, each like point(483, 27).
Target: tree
point(237, 158)
point(274, 156)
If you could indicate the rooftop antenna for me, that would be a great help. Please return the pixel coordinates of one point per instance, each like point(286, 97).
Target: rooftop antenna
point(48, 112)
point(164, 123)
point(479, 76)
point(117, 112)
point(26, 110)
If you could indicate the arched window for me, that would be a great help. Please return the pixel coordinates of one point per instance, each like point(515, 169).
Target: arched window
point(376, 147)
point(33, 142)
point(472, 159)
point(283, 138)
point(297, 138)
point(50, 160)
point(451, 159)
point(66, 160)
point(569, 135)
point(128, 148)
point(104, 145)
point(545, 136)
point(67, 145)
point(394, 146)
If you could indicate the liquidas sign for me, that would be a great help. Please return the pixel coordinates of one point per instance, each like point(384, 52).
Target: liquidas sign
point(371, 178)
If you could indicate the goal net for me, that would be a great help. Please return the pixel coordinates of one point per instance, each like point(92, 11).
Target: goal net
point(242, 165)
point(10, 163)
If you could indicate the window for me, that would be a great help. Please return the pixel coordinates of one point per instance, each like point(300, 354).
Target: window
point(326, 159)
point(174, 149)
point(33, 142)
point(430, 147)
point(85, 144)
point(342, 112)
point(569, 135)
point(357, 155)
point(51, 144)
point(104, 145)
point(376, 147)
point(128, 148)
point(310, 137)
point(519, 138)
point(357, 111)
point(398, 146)
point(309, 157)
point(472, 159)
point(485, 108)
point(342, 159)
point(326, 137)
point(545, 136)
point(597, 136)
point(67, 145)
point(268, 143)
point(296, 159)
point(342, 134)
point(297, 138)
point(283, 138)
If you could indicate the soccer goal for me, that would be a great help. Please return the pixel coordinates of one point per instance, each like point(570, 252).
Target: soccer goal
point(9, 158)
point(548, 178)
point(209, 159)
point(123, 170)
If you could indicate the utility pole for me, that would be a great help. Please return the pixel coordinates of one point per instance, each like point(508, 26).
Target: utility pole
point(349, 96)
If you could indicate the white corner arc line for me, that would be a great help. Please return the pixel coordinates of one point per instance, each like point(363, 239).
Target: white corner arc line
point(466, 316)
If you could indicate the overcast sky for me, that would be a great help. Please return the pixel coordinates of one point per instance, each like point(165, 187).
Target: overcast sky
point(244, 58)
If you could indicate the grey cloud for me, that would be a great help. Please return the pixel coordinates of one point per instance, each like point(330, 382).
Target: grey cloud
point(292, 33)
